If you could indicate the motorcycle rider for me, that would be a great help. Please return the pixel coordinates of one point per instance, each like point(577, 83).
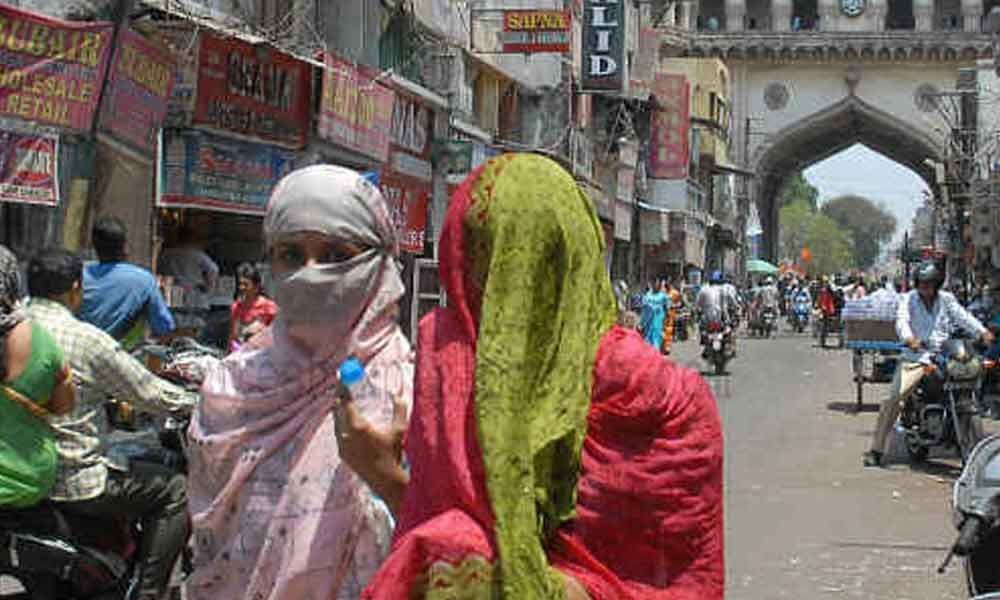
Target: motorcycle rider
point(121, 298)
point(766, 296)
point(925, 319)
point(86, 483)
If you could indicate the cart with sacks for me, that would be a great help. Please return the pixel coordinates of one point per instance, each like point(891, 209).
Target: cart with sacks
point(870, 329)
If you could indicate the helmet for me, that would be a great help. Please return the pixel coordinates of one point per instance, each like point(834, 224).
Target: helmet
point(928, 271)
point(715, 277)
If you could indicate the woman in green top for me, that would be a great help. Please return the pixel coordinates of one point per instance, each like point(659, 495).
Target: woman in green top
point(36, 382)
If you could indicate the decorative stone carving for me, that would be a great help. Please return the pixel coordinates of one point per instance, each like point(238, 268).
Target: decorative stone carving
point(776, 96)
point(925, 97)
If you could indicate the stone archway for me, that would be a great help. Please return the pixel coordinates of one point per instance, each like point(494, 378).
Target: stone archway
point(825, 133)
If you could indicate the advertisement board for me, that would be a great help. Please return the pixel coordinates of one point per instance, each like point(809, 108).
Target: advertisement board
point(536, 31)
point(603, 46)
point(29, 168)
point(355, 111)
point(253, 91)
point(51, 71)
point(202, 170)
point(669, 151)
point(140, 85)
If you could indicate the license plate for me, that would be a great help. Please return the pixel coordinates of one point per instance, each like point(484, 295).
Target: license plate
point(960, 385)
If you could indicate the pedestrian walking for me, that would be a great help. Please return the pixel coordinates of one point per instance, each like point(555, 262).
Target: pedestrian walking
point(676, 301)
point(655, 305)
point(543, 464)
point(276, 512)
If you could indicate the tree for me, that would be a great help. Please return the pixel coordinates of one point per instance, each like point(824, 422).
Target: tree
point(795, 220)
point(799, 190)
point(871, 226)
point(830, 245)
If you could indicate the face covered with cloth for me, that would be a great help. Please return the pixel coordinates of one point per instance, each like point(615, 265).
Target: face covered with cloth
point(546, 442)
point(276, 514)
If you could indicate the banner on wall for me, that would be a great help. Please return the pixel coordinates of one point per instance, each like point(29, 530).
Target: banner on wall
point(355, 111)
point(139, 89)
point(253, 91)
point(201, 170)
point(407, 180)
point(51, 71)
point(29, 168)
point(669, 145)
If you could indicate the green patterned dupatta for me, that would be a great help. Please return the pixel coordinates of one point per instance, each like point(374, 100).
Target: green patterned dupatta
point(535, 249)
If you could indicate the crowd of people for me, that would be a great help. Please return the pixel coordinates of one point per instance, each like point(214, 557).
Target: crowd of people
point(529, 448)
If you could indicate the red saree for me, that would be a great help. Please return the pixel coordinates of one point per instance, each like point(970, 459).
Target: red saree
point(648, 519)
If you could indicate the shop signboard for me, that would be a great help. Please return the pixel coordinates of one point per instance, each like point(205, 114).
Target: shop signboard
point(407, 180)
point(139, 89)
point(535, 31)
point(626, 185)
point(29, 168)
point(202, 170)
point(603, 46)
point(668, 153)
point(253, 91)
point(50, 70)
point(356, 112)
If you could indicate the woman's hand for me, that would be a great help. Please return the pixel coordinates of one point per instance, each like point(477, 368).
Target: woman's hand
point(376, 456)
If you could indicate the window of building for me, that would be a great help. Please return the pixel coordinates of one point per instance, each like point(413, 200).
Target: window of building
point(948, 15)
point(805, 15)
point(758, 16)
point(900, 15)
point(486, 102)
point(712, 15)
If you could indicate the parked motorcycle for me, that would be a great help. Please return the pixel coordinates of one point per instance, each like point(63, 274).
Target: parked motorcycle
point(943, 411)
point(976, 506)
point(717, 344)
point(55, 555)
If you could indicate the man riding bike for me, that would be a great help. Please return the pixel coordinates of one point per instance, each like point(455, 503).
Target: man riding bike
point(925, 319)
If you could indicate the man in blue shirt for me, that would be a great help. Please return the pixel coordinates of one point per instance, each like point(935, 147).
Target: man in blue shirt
point(118, 297)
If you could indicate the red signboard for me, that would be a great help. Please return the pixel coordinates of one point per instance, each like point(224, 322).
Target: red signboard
point(252, 90)
point(29, 168)
point(51, 70)
point(407, 180)
point(531, 31)
point(355, 111)
point(139, 89)
point(669, 152)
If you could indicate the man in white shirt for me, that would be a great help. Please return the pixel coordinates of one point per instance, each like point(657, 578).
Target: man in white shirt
point(191, 267)
point(926, 318)
point(714, 302)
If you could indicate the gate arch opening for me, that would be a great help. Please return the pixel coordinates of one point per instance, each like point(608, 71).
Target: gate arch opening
point(828, 132)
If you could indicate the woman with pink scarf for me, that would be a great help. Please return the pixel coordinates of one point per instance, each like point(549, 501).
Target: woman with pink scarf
point(276, 514)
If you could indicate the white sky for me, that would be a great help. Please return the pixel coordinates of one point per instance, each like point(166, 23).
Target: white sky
point(864, 172)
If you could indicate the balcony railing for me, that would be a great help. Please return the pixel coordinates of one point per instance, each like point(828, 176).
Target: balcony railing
point(900, 22)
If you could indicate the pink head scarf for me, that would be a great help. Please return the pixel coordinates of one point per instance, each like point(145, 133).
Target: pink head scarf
point(275, 514)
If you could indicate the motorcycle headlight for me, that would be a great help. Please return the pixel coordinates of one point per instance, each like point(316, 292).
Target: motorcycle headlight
point(963, 370)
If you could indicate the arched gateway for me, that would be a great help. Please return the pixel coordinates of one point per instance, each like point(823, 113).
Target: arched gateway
point(811, 79)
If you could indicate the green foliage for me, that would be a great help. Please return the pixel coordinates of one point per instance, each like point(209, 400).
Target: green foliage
point(799, 190)
point(870, 225)
point(831, 247)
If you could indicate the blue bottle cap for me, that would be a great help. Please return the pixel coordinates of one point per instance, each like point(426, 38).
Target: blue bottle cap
point(351, 371)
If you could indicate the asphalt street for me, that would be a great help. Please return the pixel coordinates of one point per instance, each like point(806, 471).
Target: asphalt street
point(804, 519)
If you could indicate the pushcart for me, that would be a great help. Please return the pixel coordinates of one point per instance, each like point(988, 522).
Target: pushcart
point(876, 351)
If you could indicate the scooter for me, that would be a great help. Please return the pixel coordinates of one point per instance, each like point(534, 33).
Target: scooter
point(717, 343)
point(943, 410)
point(976, 514)
point(800, 316)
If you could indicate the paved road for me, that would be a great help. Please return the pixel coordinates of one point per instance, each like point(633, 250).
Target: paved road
point(804, 519)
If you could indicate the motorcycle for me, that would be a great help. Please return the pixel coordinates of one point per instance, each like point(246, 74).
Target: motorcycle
point(943, 410)
point(976, 514)
point(681, 325)
point(55, 555)
point(717, 344)
point(800, 316)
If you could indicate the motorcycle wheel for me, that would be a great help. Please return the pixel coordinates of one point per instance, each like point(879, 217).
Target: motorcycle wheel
point(916, 451)
point(720, 366)
point(972, 425)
